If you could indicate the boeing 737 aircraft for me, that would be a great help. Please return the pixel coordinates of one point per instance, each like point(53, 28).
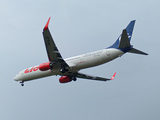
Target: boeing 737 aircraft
point(69, 68)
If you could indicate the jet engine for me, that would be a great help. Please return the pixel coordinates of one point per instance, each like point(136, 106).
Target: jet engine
point(44, 66)
point(65, 79)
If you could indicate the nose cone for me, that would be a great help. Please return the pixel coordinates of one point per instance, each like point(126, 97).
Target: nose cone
point(17, 77)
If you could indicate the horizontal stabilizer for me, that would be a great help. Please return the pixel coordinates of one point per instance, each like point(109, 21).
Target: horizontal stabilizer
point(124, 40)
point(133, 50)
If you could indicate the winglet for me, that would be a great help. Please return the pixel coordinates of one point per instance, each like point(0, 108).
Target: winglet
point(113, 76)
point(46, 27)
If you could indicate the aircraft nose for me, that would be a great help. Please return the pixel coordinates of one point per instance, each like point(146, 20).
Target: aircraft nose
point(17, 77)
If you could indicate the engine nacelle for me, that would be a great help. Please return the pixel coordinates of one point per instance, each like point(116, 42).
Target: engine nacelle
point(44, 66)
point(64, 79)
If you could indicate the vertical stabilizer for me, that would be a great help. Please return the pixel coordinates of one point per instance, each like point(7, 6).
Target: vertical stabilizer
point(123, 41)
point(129, 30)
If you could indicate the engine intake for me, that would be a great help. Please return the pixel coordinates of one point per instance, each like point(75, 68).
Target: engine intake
point(44, 66)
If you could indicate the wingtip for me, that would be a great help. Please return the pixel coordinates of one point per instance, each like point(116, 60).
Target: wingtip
point(113, 76)
point(46, 26)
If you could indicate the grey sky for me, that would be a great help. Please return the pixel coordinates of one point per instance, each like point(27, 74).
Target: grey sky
point(79, 27)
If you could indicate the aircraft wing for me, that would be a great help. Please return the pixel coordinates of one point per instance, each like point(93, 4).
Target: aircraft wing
point(52, 51)
point(85, 76)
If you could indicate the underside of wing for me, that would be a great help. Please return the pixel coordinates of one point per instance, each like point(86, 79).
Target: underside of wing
point(85, 76)
point(54, 55)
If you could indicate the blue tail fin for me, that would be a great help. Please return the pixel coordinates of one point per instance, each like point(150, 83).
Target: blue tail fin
point(129, 30)
point(123, 41)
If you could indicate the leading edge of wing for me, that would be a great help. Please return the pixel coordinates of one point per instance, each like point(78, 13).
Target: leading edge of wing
point(51, 48)
point(85, 76)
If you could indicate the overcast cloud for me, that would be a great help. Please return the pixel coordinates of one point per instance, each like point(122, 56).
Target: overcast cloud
point(79, 27)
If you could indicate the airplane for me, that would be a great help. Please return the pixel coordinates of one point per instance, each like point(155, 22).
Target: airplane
point(69, 68)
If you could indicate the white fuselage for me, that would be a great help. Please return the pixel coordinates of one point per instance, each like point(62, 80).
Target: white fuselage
point(93, 59)
point(75, 63)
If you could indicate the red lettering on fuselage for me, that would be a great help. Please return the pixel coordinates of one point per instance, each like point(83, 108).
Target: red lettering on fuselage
point(35, 68)
point(31, 69)
point(26, 71)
